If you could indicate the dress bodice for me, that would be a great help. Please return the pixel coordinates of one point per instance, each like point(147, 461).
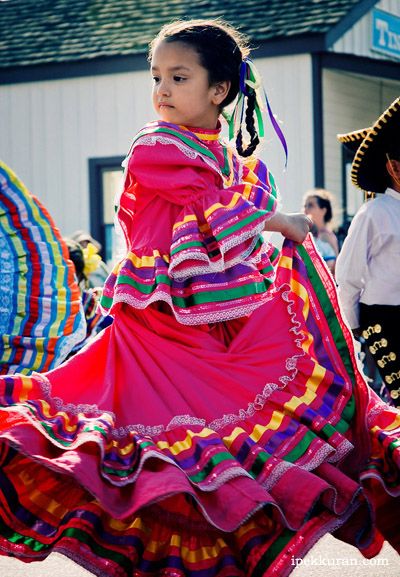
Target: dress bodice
point(192, 213)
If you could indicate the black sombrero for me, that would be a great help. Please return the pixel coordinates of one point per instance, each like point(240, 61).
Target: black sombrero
point(352, 140)
point(368, 170)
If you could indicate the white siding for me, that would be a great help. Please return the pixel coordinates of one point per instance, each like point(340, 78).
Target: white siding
point(50, 129)
point(351, 102)
point(288, 81)
point(358, 39)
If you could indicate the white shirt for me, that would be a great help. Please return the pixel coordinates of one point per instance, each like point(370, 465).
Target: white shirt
point(368, 265)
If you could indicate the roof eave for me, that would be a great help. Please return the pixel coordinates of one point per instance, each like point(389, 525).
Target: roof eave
point(73, 69)
point(112, 64)
point(345, 23)
point(284, 46)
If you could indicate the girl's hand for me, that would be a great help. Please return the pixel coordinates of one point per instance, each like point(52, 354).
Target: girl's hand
point(296, 226)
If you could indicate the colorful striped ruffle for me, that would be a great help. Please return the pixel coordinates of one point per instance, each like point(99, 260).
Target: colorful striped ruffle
point(218, 266)
point(235, 497)
point(215, 236)
point(209, 297)
point(39, 299)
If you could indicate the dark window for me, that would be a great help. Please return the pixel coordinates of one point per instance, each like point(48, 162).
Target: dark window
point(105, 181)
point(352, 197)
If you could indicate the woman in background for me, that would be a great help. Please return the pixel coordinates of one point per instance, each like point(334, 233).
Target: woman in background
point(318, 204)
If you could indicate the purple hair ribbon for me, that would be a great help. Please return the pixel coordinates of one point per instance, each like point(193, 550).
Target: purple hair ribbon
point(250, 80)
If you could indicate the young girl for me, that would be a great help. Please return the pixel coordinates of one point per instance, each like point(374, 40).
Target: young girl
point(220, 426)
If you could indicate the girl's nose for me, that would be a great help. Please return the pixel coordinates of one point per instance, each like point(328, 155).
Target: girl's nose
point(163, 87)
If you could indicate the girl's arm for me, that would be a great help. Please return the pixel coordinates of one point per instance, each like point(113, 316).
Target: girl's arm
point(293, 226)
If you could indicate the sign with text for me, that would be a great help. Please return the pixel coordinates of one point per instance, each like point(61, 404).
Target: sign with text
point(386, 33)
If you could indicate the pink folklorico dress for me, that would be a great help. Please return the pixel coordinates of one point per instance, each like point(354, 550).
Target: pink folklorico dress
point(220, 426)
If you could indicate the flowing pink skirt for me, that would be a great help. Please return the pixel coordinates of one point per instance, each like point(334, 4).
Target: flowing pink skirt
point(214, 450)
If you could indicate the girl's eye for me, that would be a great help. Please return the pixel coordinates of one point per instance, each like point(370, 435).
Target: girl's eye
point(179, 78)
point(156, 79)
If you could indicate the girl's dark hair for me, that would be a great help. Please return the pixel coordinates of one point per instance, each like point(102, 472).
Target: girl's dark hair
point(221, 49)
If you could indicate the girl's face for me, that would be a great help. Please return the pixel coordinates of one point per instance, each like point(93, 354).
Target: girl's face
point(313, 210)
point(181, 90)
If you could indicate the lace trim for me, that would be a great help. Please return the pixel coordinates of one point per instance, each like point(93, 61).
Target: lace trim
point(319, 457)
point(190, 317)
point(222, 264)
point(375, 412)
point(341, 451)
point(277, 472)
point(153, 139)
point(212, 484)
point(71, 408)
point(153, 431)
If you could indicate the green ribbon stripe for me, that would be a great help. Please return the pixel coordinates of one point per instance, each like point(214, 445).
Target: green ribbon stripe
point(210, 465)
point(241, 224)
point(259, 463)
point(272, 552)
point(200, 298)
point(185, 246)
point(329, 311)
point(71, 533)
point(222, 295)
point(196, 145)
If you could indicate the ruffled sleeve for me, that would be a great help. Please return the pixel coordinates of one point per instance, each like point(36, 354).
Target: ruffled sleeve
point(223, 227)
point(218, 225)
point(202, 218)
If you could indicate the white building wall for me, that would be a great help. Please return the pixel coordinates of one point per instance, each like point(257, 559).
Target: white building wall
point(358, 39)
point(50, 129)
point(288, 81)
point(350, 102)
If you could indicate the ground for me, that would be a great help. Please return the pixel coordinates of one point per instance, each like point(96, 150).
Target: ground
point(329, 558)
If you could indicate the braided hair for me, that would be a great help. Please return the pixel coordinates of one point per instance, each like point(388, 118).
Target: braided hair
point(250, 127)
point(221, 49)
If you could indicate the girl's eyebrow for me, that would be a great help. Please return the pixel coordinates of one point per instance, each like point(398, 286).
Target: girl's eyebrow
point(173, 68)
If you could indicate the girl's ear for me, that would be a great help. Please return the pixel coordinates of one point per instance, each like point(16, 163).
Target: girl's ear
point(220, 91)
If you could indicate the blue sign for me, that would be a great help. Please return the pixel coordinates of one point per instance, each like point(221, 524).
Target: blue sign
point(386, 33)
